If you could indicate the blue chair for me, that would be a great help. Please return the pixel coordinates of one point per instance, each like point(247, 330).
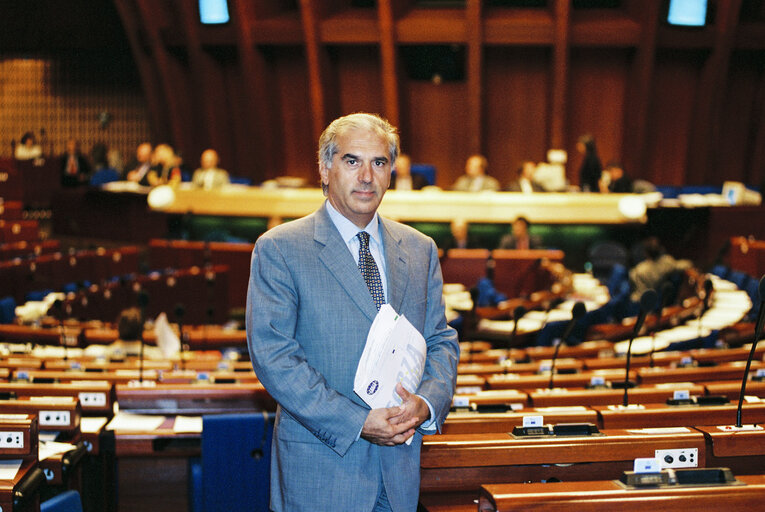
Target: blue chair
point(233, 472)
point(102, 176)
point(7, 310)
point(67, 501)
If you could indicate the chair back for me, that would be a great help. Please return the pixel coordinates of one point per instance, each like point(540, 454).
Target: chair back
point(67, 501)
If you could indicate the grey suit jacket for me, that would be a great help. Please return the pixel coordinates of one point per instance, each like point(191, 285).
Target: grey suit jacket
point(308, 314)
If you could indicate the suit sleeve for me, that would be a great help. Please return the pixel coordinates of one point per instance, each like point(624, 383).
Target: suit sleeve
point(440, 377)
point(279, 360)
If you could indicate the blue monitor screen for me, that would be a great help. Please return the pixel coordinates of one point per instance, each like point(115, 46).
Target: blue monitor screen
point(213, 12)
point(689, 13)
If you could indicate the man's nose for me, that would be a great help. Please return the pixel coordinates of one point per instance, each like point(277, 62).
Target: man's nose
point(365, 172)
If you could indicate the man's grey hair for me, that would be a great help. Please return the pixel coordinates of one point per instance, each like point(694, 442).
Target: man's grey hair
point(372, 122)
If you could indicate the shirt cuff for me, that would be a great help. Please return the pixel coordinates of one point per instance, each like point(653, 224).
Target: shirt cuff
point(430, 424)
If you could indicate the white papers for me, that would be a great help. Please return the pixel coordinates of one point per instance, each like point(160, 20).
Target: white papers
point(9, 468)
point(394, 352)
point(167, 340)
point(135, 422)
point(51, 448)
point(90, 425)
point(187, 424)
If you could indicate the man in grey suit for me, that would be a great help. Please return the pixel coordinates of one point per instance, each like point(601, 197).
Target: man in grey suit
point(309, 310)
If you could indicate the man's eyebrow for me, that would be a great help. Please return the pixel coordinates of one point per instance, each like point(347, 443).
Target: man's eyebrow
point(349, 156)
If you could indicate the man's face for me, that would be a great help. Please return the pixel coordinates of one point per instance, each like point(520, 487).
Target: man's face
point(359, 176)
point(474, 167)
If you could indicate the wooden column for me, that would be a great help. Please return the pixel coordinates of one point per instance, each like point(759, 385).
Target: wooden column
point(158, 116)
point(317, 66)
point(639, 91)
point(702, 165)
point(562, 24)
point(389, 61)
point(474, 32)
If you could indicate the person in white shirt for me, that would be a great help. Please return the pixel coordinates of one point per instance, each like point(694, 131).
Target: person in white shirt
point(29, 149)
point(209, 175)
point(475, 178)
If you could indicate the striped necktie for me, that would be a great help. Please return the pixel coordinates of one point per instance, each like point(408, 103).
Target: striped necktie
point(369, 270)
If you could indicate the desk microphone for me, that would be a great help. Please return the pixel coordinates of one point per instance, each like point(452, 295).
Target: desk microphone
point(648, 302)
point(180, 312)
point(143, 301)
point(518, 313)
point(551, 304)
point(666, 292)
point(757, 334)
point(58, 313)
point(577, 312)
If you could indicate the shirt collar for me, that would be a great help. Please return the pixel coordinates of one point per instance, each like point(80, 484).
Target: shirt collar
point(348, 230)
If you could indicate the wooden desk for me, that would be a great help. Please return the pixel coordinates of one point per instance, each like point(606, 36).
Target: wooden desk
point(533, 367)
point(659, 415)
point(115, 377)
point(660, 359)
point(475, 422)
point(22, 492)
point(194, 399)
point(742, 451)
point(608, 495)
point(586, 349)
point(576, 380)
point(562, 397)
point(732, 389)
point(96, 397)
point(464, 462)
point(726, 371)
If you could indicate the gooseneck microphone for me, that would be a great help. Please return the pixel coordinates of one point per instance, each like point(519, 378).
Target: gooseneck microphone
point(518, 313)
point(577, 312)
point(757, 334)
point(708, 287)
point(180, 312)
point(666, 293)
point(648, 302)
point(58, 313)
point(143, 301)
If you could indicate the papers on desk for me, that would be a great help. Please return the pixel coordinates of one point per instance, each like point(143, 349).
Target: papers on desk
point(90, 425)
point(50, 448)
point(135, 422)
point(187, 425)
point(9, 468)
point(395, 352)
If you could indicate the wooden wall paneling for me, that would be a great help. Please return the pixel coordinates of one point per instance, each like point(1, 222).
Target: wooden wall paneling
point(597, 83)
point(639, 90)
point(294, 119)
point(358, 78)
point(254, 160)
point(389, 62)
point(703, 151)
point(209, 91)
point(517, 85)
point(562, 22)
point(437, 116)
point(738, 127)
point(676, 78)
point(756, 163)
point(173, 77)
point(475, 81)
point(150, 81)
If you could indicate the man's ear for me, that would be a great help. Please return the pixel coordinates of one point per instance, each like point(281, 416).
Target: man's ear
point(324, 174)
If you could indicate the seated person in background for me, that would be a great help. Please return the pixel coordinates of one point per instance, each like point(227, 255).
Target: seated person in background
point(475, 178)
point(520, 238)
point(209, 175)
point(166, 167)
point(614, 180)
point(525, 182)
point(460, 237)
point(75, 169)
point(403, 179)
point(29, 149)
point(139, 169)
point(657, 265)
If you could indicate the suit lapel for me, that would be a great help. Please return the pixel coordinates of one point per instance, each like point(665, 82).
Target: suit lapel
point(396, 266)
point(341, 265)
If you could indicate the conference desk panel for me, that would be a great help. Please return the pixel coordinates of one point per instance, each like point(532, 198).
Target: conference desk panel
point(726, 371)
point(561, 365)
point(561, 397)
point(608, 495)
point(660, 415)
point(22, 492)
point(427, 206)
point(464, 462)
point(491, 422)
point(96, 397)
point(732, 389)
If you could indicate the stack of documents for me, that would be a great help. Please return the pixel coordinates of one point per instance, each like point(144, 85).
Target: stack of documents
point(394, 352)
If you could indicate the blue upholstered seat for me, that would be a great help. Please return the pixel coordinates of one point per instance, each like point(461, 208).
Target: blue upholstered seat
point(233, 472)
point(67, 501)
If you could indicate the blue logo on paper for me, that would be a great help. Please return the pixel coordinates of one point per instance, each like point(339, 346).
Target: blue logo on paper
point(372, 388)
